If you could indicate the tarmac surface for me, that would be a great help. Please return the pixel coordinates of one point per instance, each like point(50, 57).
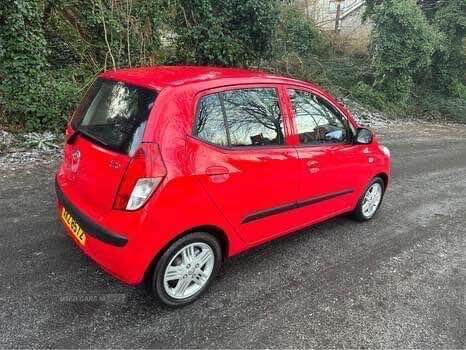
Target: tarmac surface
point(396, 281)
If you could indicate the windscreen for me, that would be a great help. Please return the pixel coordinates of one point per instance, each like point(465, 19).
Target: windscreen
point(114, 114)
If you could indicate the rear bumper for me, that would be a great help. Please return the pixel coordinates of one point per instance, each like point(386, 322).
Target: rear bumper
point(113, 252)
point(91, 228)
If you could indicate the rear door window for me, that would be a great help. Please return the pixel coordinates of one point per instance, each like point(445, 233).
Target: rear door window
point(114, 114)
point(253, 117)
point(241, 117)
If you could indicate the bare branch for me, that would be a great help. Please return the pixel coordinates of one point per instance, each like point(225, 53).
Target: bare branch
point(105, 35)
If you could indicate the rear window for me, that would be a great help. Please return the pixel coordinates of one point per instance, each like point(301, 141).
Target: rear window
point(114, 114)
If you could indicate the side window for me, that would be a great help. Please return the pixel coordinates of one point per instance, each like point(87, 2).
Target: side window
point(253, 117)
point(210, 121)
point(242, 117)
point(316, 121)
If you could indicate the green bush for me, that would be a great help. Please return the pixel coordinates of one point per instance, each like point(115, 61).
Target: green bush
point(22, 58)
point(49, 50)
point(295, 34)
point(56, 95)
point(369, 96)
point(402, 46)
point(222, 32)
point(449, 63)
point(438, 105)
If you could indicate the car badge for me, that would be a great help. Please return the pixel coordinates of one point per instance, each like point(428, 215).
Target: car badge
point(75, 158)
point(114, 164)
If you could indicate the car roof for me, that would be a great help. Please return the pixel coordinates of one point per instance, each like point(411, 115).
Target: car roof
point(159, 77)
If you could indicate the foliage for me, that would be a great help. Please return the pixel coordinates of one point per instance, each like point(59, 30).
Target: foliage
point(440, 106)
point(367, 95)
point(427, 6)
point(402, 46)
point(45, 142)
point(104, 33)
point(295, 34)
point(50, 50)
point(426, 57)
point(222, 32)
point(22, 55)
point(449, 62)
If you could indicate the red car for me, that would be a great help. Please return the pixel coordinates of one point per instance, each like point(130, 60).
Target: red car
point(167, 171)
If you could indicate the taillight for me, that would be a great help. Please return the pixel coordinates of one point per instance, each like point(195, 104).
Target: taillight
point(144, 174)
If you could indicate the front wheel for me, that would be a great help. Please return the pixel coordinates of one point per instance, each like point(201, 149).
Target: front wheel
point(186, 268)
point(370, 200)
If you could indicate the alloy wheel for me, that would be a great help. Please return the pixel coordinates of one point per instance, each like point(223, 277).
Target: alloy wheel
point(371, 200)
point(189, 270)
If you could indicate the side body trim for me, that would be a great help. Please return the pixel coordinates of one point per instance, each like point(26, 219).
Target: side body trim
point(281, 209)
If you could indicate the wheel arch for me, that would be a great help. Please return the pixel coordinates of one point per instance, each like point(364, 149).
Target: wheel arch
point(384, 178)
point(211, 229)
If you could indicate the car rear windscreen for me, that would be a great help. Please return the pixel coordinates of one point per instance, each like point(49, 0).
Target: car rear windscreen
point(114, 114)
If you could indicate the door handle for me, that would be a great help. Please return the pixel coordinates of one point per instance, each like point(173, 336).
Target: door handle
point(217, 174)
point(313, 166)
point(216, 170)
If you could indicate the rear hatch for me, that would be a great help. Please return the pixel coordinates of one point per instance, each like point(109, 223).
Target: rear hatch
point(106, 131)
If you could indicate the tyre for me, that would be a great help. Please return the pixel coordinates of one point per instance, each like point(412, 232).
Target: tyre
point(186, 269)
point(370, 201)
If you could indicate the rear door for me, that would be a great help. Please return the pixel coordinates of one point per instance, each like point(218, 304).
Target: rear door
point(106, 129)
point(331, 166)
point(241, 156)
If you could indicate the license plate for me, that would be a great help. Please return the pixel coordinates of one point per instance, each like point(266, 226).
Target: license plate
point(71, 223)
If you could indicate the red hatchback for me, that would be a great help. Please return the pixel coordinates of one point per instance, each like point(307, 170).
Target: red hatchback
point(169, 170)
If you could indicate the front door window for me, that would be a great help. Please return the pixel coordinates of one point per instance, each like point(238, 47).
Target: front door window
point(316, 121)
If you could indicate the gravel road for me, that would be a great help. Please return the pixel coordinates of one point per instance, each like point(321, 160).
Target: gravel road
point(397, 281)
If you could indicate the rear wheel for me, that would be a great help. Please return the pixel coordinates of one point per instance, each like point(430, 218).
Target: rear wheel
point(186, 268)
point(370, 200)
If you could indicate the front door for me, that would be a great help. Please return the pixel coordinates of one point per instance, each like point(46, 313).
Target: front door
point(330, 164)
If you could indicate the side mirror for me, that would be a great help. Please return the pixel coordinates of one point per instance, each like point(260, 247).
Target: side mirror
point(364, 136)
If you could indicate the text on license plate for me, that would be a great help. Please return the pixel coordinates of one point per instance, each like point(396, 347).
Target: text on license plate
point(75, 229)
